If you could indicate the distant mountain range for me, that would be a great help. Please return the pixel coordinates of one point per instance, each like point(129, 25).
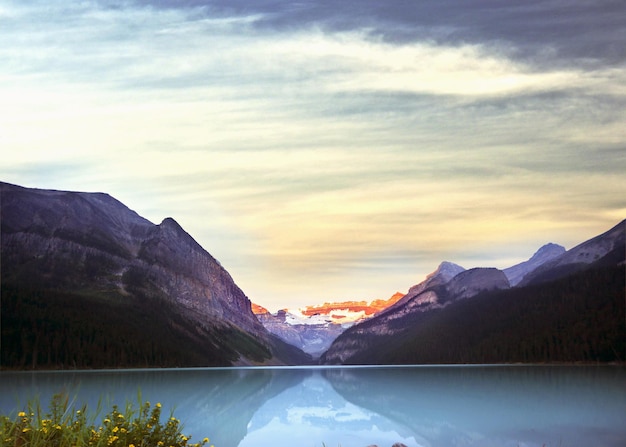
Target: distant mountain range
point(88, 283)
point(559, 306)
point(314, 328)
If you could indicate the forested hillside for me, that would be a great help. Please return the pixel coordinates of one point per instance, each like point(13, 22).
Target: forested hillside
point(59, 329)
point(580, 318)
point(88, 283)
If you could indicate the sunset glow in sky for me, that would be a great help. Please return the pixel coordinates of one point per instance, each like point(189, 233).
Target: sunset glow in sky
point(323, 150)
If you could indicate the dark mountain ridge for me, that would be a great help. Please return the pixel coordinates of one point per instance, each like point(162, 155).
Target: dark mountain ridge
point(70, 253)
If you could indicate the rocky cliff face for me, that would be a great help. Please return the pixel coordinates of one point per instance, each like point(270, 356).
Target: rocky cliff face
point(192, 277)
point(91, 244)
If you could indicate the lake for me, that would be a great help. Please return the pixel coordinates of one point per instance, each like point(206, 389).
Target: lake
point(504, 406)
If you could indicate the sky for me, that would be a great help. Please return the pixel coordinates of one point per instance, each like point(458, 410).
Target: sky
point(324, 150)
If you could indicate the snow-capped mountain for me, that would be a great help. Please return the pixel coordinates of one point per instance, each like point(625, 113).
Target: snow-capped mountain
point(314, 328)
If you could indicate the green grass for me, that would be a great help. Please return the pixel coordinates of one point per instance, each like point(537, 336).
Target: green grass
point(64, 425)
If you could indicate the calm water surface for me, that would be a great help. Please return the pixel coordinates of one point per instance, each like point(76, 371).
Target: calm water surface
point(516, 406)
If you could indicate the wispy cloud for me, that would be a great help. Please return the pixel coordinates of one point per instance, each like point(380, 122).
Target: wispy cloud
point(308, 148)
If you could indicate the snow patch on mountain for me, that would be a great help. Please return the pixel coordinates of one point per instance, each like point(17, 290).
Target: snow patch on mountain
point(314, 328)
point(344, 317)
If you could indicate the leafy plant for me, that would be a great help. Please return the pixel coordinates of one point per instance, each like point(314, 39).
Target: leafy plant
point(66, 426)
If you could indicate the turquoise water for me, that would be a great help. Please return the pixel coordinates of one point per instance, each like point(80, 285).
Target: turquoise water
point(516, 406)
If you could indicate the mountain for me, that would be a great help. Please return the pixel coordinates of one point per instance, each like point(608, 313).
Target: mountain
point(548, 252)
point(444, 273)
point(607, 249)
point(314, 338)
point(87, 282)
point(448, 283)
point(471, 282)
point(349, 311)
point(564, 310)
point(314, 328)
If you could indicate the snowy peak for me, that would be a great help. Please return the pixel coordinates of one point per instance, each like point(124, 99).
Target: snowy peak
point(445, 272)
point(546, 253)
point(314, 328)
point(340, 313)
point(349, 311)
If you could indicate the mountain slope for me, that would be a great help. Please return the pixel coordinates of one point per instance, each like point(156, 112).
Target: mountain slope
point(444, 273)
point(569, 311)
point(438, 290)
point(604, 249)
point(314, 338)
point(86, 282)
point(548, 252)
point(579, 318)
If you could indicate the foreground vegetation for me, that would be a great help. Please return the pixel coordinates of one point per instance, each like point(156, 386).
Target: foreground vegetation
point(66, 426)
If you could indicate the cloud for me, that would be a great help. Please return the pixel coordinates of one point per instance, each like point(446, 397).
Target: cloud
point(308, 148)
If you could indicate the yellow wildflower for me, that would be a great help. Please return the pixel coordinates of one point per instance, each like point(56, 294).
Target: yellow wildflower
point(158, 405)
point(21, 414)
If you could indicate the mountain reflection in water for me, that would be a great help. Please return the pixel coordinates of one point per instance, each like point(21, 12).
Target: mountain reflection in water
point(356, 407)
